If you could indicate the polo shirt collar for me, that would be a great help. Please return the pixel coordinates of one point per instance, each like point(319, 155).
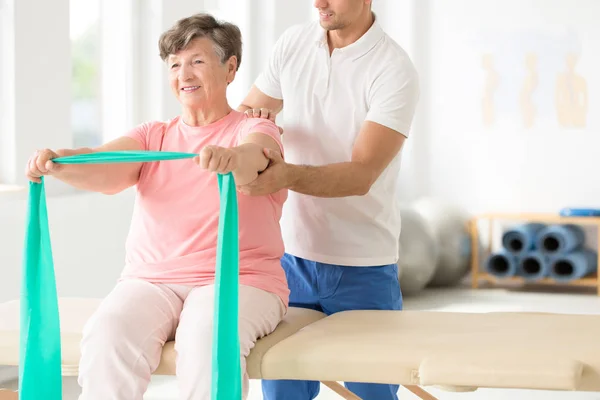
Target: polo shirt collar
point(359, 48)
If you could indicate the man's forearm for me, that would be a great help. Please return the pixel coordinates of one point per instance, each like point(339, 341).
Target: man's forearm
point(333, 180)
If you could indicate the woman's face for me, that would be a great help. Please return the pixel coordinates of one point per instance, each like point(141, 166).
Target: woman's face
point(196, 75)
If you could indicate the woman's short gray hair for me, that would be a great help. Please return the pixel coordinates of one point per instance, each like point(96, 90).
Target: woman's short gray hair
point(226, 37)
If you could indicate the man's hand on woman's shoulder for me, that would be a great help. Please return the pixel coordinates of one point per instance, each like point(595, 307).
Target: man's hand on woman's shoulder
point(264, 113)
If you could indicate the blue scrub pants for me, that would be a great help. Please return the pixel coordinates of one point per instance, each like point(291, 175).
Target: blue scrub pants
point(331, 289)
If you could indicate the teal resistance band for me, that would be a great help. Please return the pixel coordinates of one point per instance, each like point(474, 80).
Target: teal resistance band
point(40, 344)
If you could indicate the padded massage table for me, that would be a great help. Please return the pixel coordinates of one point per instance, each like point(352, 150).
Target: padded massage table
point(448, 350)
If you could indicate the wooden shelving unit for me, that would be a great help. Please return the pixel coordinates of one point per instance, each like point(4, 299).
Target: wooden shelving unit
point(478, 274)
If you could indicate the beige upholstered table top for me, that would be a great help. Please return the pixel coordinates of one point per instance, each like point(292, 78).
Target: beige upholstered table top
point(512, 350)
point(455, 350)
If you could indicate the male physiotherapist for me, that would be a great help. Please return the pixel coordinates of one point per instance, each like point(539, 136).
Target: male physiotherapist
point(349, 93)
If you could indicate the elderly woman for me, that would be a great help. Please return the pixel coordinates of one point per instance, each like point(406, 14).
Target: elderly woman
point(167, 286)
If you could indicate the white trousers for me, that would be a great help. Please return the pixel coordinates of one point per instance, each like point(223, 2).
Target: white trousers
point(123, 340)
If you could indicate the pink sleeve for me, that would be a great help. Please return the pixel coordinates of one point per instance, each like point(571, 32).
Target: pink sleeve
point(260, 125)
point(140, 133)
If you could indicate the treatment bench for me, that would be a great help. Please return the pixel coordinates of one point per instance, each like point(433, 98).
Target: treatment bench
point(453, 351)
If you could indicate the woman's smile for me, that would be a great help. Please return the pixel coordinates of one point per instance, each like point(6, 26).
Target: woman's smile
point(189, 89)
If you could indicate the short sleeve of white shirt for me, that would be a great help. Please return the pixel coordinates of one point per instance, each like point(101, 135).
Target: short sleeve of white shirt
point(393, 98)
point(268, 81)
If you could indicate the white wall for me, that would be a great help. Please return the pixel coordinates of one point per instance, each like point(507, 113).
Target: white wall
point(88, 230)
point(87, 233)
point(506, 166)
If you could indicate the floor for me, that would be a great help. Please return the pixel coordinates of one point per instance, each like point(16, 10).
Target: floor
point(463, 300)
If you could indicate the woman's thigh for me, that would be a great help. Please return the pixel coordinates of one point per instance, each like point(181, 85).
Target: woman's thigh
point(259, 314)
point(137, 316)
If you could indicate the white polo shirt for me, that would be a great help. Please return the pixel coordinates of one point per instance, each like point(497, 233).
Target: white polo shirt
point(326, 101)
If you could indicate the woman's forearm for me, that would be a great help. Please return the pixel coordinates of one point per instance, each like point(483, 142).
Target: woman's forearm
point(250, 162)
point(102, 178)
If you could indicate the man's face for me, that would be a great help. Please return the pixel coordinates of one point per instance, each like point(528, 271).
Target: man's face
point(339, 14)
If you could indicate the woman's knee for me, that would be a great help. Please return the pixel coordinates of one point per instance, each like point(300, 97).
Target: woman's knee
point(193, 344)
point(194, 339)
point(106, 331)
point(194, 348)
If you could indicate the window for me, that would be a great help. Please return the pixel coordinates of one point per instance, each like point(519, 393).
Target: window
point(102, 55)
point(86, 60)
point(80, 94)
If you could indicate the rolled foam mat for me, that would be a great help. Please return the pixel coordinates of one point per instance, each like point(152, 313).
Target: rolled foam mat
point(580, 212)
point(576, 265)
point(533, 266)
point(560, 239)
point(521, 238)
point(501, 264)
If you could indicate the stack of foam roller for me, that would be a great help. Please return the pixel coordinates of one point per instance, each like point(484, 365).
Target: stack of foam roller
point(536, 251)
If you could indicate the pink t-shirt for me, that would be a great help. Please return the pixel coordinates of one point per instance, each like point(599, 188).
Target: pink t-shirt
point(173, 234)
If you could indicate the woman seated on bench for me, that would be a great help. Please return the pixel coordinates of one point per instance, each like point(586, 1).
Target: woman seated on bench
point(167, 286)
